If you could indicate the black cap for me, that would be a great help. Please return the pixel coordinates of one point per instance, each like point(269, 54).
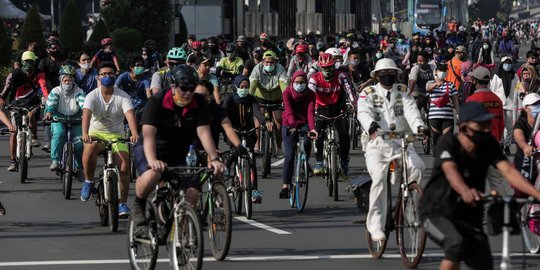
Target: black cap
point(474, 111)
point(191, 36)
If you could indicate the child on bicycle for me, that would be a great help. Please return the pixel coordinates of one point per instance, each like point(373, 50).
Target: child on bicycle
point(65, 101)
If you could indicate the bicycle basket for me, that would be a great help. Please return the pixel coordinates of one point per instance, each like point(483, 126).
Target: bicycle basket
point(495, 218)
point(361, 187)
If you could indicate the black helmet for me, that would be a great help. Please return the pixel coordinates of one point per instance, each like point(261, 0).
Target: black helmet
point(230, 48)
point(212, 40)
point(184, 76)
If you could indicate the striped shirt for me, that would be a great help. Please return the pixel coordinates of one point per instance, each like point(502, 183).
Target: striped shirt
point(446, 111)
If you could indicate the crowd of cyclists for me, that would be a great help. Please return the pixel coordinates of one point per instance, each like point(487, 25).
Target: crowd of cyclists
point(211, 87)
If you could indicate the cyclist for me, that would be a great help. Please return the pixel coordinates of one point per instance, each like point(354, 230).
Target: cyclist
point(65, 101)
point(213, 52)
point(379, 106)
point(20, 89)
point(267, 82)
point(420, 74)
point(460, 167)
point(153, 60)
point(231, 66)
point(251, 63)
point(7, 122)
point(103, 117)
point(300, 61)
point(203, 66)
point(242, 108)
point(171, 121)
point(105, 54)
point(136, 84)
point(160, 79)
point(86, 76)
point(298, 114)
point(356, 68)
point(196, 53)
point(332, 90)
point(242, 48)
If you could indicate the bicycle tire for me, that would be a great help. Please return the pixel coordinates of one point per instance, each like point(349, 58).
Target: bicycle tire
point(266, 154)
point(328, 175)
point(334, 172)
point(246, 185)
point(376, 249)
point(409, 225)
point(113, 202)
point(102, 206)
point(302, 184)
point(68, 172)
point(530, 239)
point(354, 133)
point(237, 195)
point(220, 222)
point(184, 250)
point(143, 251)
point(23, 160)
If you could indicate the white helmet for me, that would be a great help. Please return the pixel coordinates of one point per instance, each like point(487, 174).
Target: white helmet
point(385, 63)
point(334, 52)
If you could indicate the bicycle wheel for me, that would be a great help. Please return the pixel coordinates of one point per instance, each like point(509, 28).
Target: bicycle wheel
point(328, 174)
point(532, 240)
point(246, 185)
point(266, 153)
point(292, 186)
point(23, 160)
point(334, 172)
point(302, 183)
point(220, 222)
point(238, 192)
point(142, 242)
point(103, 209)
point(113, 201)
point(354, 132)
point(375, 248)
point(410, 233)
point(185, 241)
point(68, 172)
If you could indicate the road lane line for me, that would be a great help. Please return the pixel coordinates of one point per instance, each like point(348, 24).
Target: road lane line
point(240, 258)
point(277, 163)
point(262, 226)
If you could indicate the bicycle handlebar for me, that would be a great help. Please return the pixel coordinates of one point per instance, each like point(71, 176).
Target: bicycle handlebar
point(245, 132)
point(17, 109)
point(341, 115)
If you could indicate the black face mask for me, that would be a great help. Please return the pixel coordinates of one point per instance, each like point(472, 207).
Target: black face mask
point(481, 139)
point(387, 80)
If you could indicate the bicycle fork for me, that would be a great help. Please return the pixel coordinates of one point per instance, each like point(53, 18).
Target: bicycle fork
point(110, 168)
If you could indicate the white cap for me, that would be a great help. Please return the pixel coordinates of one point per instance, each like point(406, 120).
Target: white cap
point(531, 99)
point(383, 64)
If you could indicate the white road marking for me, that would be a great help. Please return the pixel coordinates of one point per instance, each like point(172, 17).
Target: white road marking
point(261, 226)
point(239, 259)
point(277, 163)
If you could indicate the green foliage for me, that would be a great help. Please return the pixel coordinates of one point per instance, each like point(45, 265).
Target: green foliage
point(71, 31)
point(5, 46)
point(127, 39)
point(100, 32)
point(32, 29)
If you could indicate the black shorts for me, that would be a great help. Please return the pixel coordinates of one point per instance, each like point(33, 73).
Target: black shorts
point(141, 164)
point(460, 242)
point(442, 124)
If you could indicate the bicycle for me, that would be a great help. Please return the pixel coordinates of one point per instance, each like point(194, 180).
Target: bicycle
point(299, 188)
point(108, 189)
point(403, 215)
point(24, 138)
point(171, 221)
point(268, 138)
point(422, 102)
point(65, 166)
point(331, 154)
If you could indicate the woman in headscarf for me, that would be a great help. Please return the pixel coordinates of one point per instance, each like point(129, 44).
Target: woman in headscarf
point(528, 83)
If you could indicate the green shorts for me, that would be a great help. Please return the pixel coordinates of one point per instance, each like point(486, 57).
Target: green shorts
point(105, 136)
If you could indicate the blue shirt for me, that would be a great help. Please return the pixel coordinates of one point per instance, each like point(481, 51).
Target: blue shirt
point(87, 82)
point(135, 89)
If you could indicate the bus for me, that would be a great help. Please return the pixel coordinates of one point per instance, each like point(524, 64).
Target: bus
point(429, 15)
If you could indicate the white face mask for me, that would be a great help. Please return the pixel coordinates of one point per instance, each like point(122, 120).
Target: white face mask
point(441, 74)
point(242, 92)
point(85, 65)
point(485, 47)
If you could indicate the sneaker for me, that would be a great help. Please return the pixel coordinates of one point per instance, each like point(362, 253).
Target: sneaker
point(35, 143)
point(256, 196)
point(507, 150)
point(123, 210)
point(137, 214)
point(284, 193)
point(2, 210)
point(344, 170)
point(86, 191)
point(46, 147)
point(378, 235)
point(319, 168)
point(54, 166)
point(12, 167)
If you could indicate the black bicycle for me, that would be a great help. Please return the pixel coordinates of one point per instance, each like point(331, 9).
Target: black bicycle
point(268, 138)
point(66, 168)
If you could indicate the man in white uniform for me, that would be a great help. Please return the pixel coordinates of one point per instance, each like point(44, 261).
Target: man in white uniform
point(379, 106)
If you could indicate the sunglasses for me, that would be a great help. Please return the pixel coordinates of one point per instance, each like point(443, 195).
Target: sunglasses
point(186, 89)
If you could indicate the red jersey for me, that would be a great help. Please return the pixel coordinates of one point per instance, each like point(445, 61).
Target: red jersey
point(328, 93)
point(495, 106)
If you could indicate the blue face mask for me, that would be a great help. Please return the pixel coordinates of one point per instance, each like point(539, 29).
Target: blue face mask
point(108, 81)
point(535, 110)
point(507, 67)
point(299, 87)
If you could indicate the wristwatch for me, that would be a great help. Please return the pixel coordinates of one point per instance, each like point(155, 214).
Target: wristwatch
point(218, 158)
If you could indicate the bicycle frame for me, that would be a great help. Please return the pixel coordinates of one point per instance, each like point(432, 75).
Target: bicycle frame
point(23, 130)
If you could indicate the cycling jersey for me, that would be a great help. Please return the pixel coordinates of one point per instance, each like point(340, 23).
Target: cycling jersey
point(329, 93)
point(268, 86)
point(21, 88)
point(231, 67)
point(103, 56)
point(161, 80)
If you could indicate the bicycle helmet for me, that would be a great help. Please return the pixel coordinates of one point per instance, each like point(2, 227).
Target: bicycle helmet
point(326, 60)
point(301, 48)
point(106, 41)
point(264, 36)
point(230, 48)
point(196, 45)
point(177, 53)
point(185, 77)
point(334, 52)
point(67, 70)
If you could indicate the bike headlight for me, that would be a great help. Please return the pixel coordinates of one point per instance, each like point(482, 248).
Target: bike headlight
point(410, 138)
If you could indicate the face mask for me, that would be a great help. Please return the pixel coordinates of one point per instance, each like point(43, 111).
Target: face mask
point(441, 75)
point(138, 70)
point(67, 87)
point(378, 55)
point(181, 101)
point(299, 87)
point(242, 92)
point(485, 47)
point(108, 81)
point(337, 65)
point(481, 139)
point(387, 80)
point(507, 67)
point(269, 68)
point(26, 67)
point(85, 66)
point(53, 53)
point(354, 62)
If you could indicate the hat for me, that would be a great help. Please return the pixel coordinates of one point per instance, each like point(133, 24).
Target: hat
point(28, 55)
point(504, 58)
point(270, 54)
point(241, 38)
point(474, 111)
point(531, 99)
point(481, 73)
point(384, 64)
point(201, 60)
point(461, 48)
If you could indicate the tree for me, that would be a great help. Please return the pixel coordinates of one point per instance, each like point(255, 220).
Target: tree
point(128, 39)
point(32, 30)
point(100, 32)
point(5, 46)
point(71, 31)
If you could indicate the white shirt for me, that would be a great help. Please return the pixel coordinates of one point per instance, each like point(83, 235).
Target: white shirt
point(108, 117)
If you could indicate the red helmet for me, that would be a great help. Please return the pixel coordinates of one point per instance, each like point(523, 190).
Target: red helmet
point(196, 45)
point(263, 36)
point(106, 41)
point(326, 60)
point(301, 48)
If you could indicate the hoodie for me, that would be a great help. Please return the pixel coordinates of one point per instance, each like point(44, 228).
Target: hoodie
point(299, 107)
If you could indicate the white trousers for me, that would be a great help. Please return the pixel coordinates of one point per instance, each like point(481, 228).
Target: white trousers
point(508, 128)
point(379, 155)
